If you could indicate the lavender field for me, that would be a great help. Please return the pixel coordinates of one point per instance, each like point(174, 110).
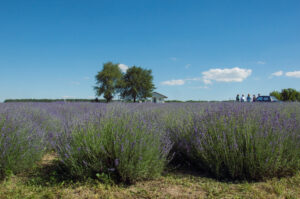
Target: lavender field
point(131, 142)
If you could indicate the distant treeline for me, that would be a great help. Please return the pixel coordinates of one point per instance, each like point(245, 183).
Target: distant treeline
point(93, 100)
point(54, 100)
point(288, 94)
point(195, 101)
point(172, 101)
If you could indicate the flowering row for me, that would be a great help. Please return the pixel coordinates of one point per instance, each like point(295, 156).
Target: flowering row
point(130, 142)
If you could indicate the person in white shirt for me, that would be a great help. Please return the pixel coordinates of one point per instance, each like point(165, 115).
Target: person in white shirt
point(243, 98)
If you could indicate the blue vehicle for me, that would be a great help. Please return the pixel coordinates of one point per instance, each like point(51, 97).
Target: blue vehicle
point(267, 99)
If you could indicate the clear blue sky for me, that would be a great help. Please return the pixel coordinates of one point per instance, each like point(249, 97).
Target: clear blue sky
point(200, 50)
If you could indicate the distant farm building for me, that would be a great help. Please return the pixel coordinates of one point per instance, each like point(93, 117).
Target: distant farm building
point(158, 98)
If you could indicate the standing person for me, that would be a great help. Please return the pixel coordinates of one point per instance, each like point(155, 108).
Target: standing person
point(258, 95)
point(237, 99)
point(243, 98)
point(248, 98)
point(254, 98)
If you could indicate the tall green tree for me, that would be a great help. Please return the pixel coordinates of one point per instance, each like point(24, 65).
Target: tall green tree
point(276, 94)
point(289, 94)
point(137, 83)
point(107, 81)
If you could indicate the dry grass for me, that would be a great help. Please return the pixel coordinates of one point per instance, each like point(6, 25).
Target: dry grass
point(45, 181)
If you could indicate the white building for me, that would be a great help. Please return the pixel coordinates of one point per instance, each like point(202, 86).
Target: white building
point(158, 98)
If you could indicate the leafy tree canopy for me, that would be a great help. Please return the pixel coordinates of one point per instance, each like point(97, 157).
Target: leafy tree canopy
point(288, 94)
point(107, 80)
point(137, 84)
point(276, 94)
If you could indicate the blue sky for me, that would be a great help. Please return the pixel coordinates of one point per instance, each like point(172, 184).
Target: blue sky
point(199, 50)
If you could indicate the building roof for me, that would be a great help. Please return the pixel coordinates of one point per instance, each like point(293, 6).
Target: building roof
point(160, 94)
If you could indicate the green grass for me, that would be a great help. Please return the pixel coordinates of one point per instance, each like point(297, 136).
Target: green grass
point(44, 181)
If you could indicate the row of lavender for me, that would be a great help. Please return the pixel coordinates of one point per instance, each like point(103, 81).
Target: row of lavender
point(130, 142)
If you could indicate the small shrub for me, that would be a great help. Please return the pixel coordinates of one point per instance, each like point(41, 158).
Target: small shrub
point(241, 141)
point(120, 145)
point(21, 143)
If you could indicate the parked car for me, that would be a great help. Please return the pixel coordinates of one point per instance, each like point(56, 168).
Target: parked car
point(267, 99)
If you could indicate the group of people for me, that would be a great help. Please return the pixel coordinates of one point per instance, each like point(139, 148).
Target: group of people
point(244, 99)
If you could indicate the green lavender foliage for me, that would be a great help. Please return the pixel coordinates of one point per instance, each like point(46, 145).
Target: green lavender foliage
point(120, 145)
point(21, 142)
point(241, 141)
point(131, 142)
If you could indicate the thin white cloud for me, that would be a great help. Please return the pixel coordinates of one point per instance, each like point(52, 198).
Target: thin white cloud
point(199, 87)
point(187, 66)
point(207, 81)
point(295, 74)
point(174, 82)
point(86, 78)
point(173, 58)
point(277, 74)
point(194, 79)
point(123, 67)
point(75, 83)
point(226, 75)
point(261, 62)
point(220, 75)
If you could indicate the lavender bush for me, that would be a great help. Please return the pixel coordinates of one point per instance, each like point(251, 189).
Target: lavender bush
point(241, 141)
point(21, 140)
point(130, 142)
point(119, 144)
